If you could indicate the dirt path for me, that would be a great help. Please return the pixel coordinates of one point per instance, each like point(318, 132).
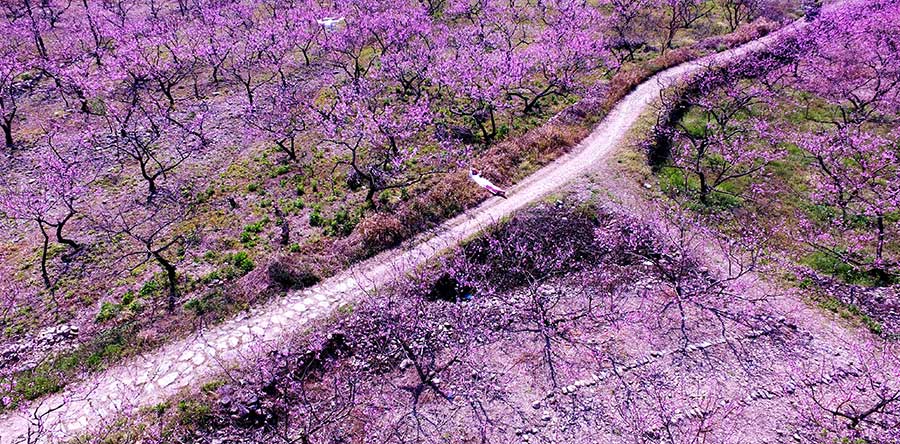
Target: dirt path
point(152, 378)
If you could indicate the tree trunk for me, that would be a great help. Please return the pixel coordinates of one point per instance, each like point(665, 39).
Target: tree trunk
point(288, 148)
point(884, 278)
point(167, 91)
point(370, 194)
point(59, 236)
point(151, 188)
point(704, 189)
point(8, 136)
point(216, 67)
point(171, 278)
point(671, 30)
point(879, 251)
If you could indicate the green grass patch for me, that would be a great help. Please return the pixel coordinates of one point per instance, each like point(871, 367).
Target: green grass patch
point(129, 305)
point(241, 262)
point(281, 170)
point(213, 302)
point(194, 413)
point(851, 313)
point(51, 376)
point(673, 181)
point(833, 266)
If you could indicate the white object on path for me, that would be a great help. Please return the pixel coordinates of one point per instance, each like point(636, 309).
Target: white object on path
point(486, 184)
point(329, 22)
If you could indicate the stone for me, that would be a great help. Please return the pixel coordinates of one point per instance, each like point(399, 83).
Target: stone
point(198, 359)
point(167, 379)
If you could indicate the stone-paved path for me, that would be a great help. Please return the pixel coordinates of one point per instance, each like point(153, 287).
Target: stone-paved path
point(152, 378)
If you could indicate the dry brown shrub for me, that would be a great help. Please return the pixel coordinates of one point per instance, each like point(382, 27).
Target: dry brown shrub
point(280, 272)
point(440, 200)
point(673, 58)
point(743, 34)
point(377, 232)
point(623, 83)
point(629, 77)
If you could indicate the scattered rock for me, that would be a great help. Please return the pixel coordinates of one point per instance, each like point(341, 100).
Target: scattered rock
point(54, 335)
point(167, 379)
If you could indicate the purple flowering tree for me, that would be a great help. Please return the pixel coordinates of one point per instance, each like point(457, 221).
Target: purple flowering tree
point(857, 183)
point(49, 192)
point(382, 142)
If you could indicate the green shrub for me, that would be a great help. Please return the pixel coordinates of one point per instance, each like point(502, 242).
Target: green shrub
point(108, 310)
point(149, 288)
point(241, 261)
point(160, 408)
point(248, 238)
point(832, 265)
point(197, 306)
point(37, 383)
point(210, 277)
point(128, 298)
point(107, 348)
point(280, 170)
point(315, 217)
point(341, 224)
point(208, 303)
point(257, 227)
point(212, 386)
point(193, 413)
point(130, 303)
point(851, 312)
point(206, 195)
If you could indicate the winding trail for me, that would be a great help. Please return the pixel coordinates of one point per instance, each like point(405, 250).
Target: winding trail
point(152, 378)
